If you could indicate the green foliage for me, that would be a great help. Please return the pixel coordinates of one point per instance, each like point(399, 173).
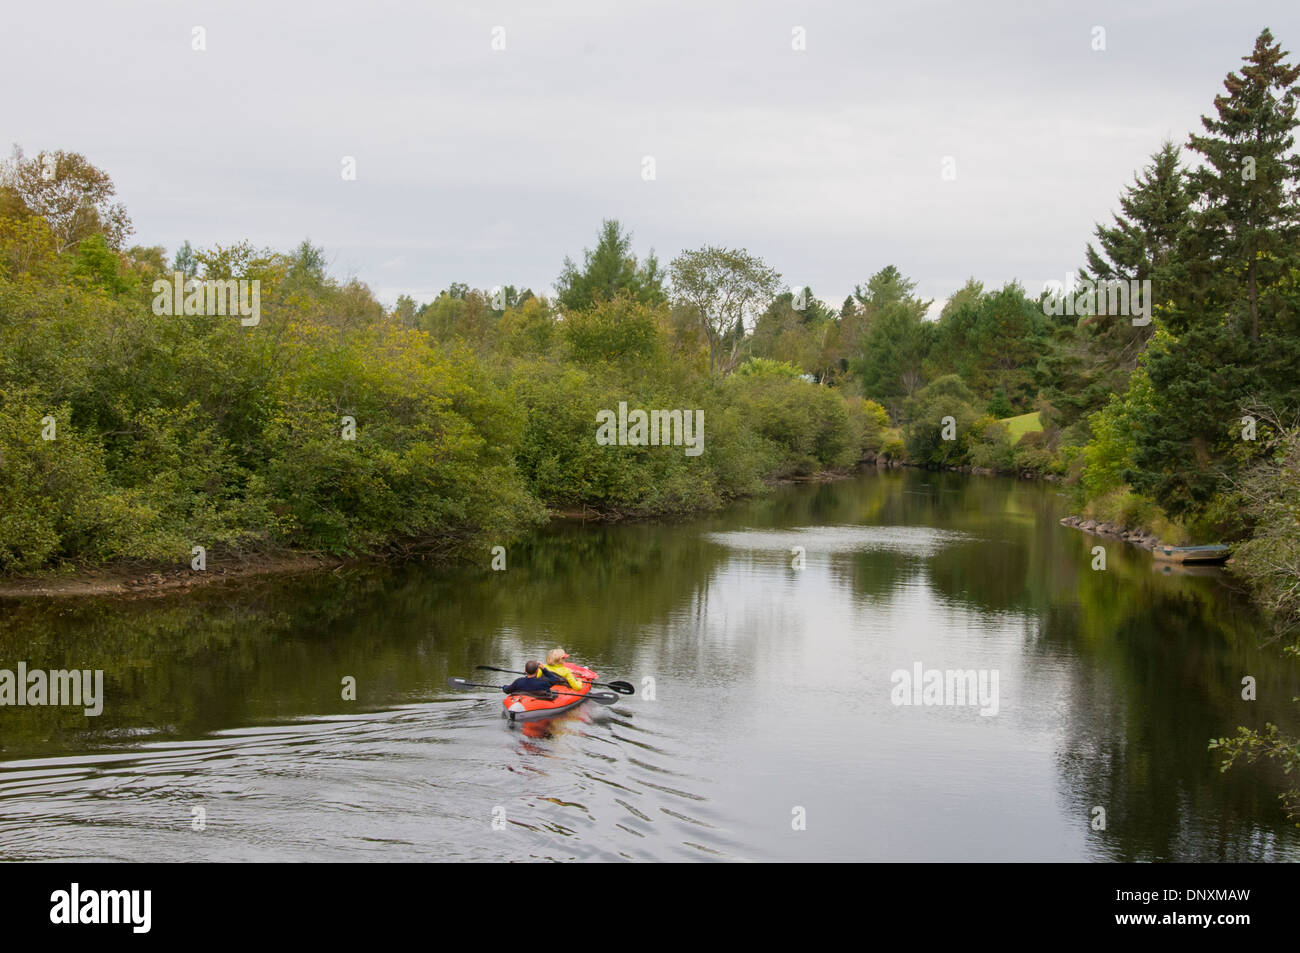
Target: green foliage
point(1271, 744)
point(181, 431)
point(1246, 238)
point(1108, 457)
point(890, 365)
point(806, 427)
point(1033, 454)
point(764, 367)
point(527, 330)
point(925, 427)
point(48, 495)
point(886, 287)
point(994, 341)
point(1142, 243)
point(991, 447)
point(999, 406)
point(184, 261)
point(1184, 433)
point(566, 468)
point(799, 330)
point(72, 196)
point(96, 263)
point(618, 329)
point(431, 468)
point(726, 289)
point(609, 271)
point(870, 423)
point(337, 426)
point(1230, 315)
point(28, 248)
point(1270, 491)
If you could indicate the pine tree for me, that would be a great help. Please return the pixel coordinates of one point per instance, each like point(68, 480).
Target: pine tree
point(1142, 243)
point(1231, 317)
point(608, 270)
point(1248, 220)
point(184, 261)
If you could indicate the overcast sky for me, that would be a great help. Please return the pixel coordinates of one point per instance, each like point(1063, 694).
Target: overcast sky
point(488, 166)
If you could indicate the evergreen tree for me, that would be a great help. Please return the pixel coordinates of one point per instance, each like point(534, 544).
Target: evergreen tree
point(1234, 332)
point(1248, 220)
point(1154, 210)
point(184, 261)
point(887, 286)
point(610, 270)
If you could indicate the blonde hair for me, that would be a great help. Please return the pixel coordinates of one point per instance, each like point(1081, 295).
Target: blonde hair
point(555, 657)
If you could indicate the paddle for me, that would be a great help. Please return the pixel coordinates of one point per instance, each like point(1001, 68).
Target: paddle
point(604, 698)
point(623, 688)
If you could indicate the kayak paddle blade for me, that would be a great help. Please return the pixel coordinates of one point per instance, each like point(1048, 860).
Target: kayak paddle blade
point(623, 688)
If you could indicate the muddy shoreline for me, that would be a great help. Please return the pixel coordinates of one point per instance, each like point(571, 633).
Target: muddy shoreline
point(142, 583)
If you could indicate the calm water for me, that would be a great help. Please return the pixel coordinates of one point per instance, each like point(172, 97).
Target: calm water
point(772, 699)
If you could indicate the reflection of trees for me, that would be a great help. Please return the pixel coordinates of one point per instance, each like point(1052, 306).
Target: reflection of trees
point(874, 574)
point(1168, 687)
point(1160, 662)
point(242, 654)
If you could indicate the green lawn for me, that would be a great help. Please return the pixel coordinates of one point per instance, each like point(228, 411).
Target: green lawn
point(1025, 423)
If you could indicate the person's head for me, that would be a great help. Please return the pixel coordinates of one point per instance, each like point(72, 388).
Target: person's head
point(531, 668)
point(556, 656)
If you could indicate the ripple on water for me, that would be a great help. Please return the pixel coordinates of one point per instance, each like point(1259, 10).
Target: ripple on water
point(379, 785)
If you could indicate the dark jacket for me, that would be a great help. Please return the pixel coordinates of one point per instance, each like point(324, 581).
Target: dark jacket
point(527, 684)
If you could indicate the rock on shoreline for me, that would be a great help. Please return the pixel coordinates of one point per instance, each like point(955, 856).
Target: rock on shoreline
point(1138, 537)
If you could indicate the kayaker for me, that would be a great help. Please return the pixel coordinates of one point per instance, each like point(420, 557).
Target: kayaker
point(555, 666)
point(534, 680)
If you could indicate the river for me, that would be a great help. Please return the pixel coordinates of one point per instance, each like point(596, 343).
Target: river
point(763, 641)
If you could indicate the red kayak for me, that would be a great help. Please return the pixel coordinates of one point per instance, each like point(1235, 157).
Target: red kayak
point(528, 707)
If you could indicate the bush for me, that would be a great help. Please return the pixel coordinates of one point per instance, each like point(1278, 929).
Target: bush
point(619, 330)
point(991, 447)
point(766, 367)
point(924, 413)
point(806, 426)
point(869, 425)
point(1033, 453)
point(54, 498)
point(1125, 508)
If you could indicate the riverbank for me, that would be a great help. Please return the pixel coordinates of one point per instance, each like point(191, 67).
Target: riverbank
point(1137, 536)
point(134, 583)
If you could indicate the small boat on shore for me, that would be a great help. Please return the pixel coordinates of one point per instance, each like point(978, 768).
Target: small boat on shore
point(1212, 555)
